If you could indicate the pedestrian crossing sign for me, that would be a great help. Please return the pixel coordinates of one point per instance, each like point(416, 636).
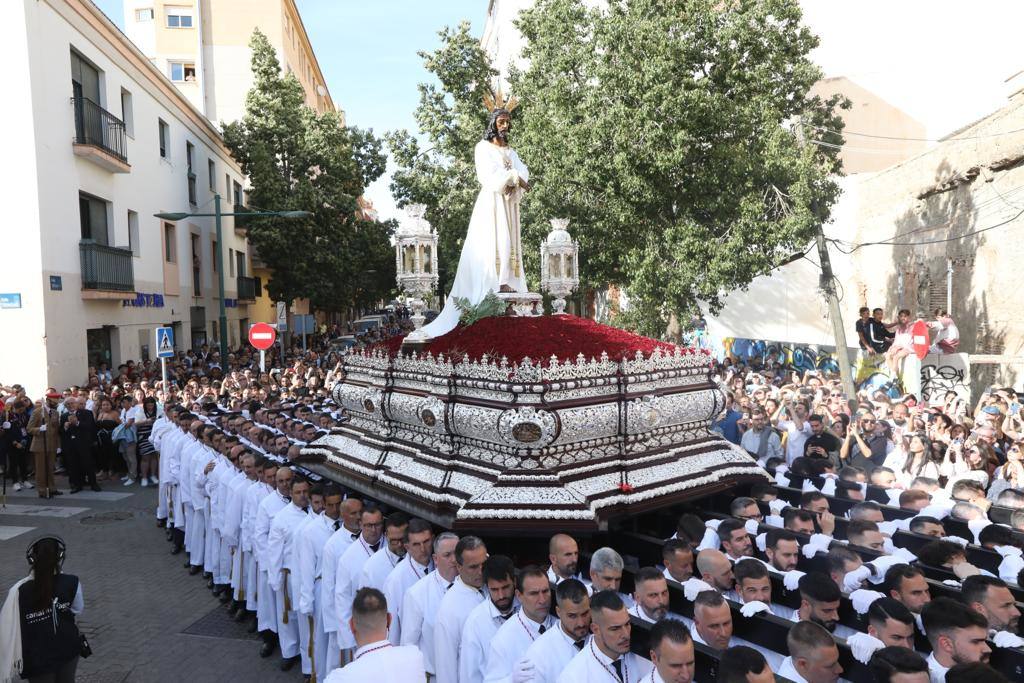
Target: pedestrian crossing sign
point(164, 342)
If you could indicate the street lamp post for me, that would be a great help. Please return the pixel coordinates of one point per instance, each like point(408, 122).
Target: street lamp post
point(222, 321)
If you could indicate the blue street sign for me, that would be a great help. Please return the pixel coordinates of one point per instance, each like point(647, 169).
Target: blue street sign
point(11, 300)
point(164, 342)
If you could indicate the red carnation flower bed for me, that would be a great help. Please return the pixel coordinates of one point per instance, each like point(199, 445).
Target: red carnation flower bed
point(538, 338)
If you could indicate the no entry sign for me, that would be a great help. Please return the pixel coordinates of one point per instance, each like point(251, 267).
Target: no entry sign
point(262, 336)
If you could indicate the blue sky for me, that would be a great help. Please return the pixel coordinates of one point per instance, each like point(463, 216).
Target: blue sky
point(367, 51)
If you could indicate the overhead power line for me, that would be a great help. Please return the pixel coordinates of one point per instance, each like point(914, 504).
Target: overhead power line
point(903, 139)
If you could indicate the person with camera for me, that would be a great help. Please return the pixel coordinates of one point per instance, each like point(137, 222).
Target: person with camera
point(39, 638)
point(79, 445)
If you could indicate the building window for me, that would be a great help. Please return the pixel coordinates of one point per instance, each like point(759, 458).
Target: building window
point(165, 135)
point(227, 186)
point(197, 265)
point(133, 233)
point(211, 168)
point(231, 262)
point(144, 14)
point(92, 213)
point(213, 254)
point(236, 193)
point(183, 72)
point(127, 115)
point(170, 245)
point(179, 17)
point(190, 152)
point(240, 263)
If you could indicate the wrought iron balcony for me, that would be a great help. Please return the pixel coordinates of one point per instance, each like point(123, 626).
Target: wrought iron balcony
point(100, 136)
point(246, 288)
point(106, 269)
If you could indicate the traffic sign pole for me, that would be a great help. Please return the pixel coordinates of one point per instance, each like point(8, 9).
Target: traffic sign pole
point(163, 372)
point(263, 360)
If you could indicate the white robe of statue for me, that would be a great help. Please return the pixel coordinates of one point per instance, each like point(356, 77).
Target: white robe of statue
point(492, 254)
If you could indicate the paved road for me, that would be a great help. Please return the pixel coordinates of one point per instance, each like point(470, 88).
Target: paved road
point(139, 600)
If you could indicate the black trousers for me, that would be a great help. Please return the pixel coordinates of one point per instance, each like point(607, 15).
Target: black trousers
point(65, 673)
point(17, 464)
point(81, 466)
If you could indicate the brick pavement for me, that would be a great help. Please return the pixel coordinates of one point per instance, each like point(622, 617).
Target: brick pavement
point(138, 597)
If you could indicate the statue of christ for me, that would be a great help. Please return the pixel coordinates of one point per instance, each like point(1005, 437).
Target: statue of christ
point(492, 255)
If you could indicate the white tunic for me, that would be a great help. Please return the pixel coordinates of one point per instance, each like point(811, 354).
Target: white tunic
point(419, 614)
point(482, 623)
point(402, 577)
point(280, 548)
point(381, 662)
point(550, 654)
point(510, 643)
point(310, 550)
point(336, 545)
point(591, 665)
point(253, 497)
point(375, 571)
point(455, 607)
point(637, 611)
point(346, 583)
point(269, 507)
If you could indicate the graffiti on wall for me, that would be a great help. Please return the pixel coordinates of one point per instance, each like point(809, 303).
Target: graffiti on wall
point(939, 373)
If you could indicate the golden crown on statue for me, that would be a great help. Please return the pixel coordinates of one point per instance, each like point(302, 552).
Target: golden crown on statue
point(496, 100)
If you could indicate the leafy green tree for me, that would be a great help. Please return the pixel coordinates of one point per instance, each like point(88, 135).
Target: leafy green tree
point(661, 128)
point(297, 159)
point(452, 119)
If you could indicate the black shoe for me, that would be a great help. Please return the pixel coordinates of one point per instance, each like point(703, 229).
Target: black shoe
point(305, 679)
point(254, 625)
point(75, 489)
point(96, 487)
point(195, 569)
point(188, 565)
point(55, 492)
point(269, 645)
point(225, 597)
point(209, 577)
point(175, 550)
point(242, 614)
point(161, 523)
point(287, 664)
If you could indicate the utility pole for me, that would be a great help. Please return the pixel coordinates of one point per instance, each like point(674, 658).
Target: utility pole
point(828, 286)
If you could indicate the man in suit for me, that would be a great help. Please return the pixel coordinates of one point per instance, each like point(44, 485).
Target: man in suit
point(79, 445)
point(44, 426)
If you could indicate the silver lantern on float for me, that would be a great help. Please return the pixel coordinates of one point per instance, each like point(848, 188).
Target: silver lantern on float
point(559, 264)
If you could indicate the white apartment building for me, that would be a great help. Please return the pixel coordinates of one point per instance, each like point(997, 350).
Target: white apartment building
point(102, 141)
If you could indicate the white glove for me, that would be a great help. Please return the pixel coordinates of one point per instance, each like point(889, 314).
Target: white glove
point(894, 497)
point(42, 428)
point(937, 510)
point(782, 480)
point(753, 607)
point(904, 555)
point(761, 541)
point(862, 599)
point(693, 586)
point(523, 671)
point(962, 542)
point(829, 487)
point(892, 526)
point(710, 540)
point(862, 646)
point(775, 521)
point(853, 579)
point(1003, 550)
point(7, 425)
point(752, 526)
point(818, 543)
point(782, 469)
point(1007, 639)
point(884, 563)
point(791, 579)
point(976, 525)
point(808, 486)
point(712, 524)
point(777, 506)
point(952, 583)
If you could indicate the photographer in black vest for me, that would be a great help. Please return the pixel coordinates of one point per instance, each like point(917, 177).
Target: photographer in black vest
point(37, 624)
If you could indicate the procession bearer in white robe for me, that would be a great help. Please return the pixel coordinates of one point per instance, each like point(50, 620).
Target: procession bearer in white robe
point(486, 618)
point(376, 660)
point(533, 620)
point(672, 653)
point(266, 603)
point(545, 658)
point(418, 542)
point(239, 487)
point(281, 568)
point(311, 546)
point(198, 456)
point(392, 552)
point(264, 486)
point(606, 657)
point(337, 544)
point(464, 594)
point(492, 254)
point(305, 622)
point(350, 568)
point(423, 599)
